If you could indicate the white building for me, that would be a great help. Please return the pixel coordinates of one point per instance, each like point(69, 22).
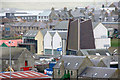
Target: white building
point(55, 42)
point(44, 16)
point(101, 37)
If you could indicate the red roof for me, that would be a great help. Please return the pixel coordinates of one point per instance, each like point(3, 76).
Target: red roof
point(24, 75)
point(13, 42)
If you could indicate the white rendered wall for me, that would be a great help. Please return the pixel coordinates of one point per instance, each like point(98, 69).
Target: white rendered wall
point(100, 30)
point(47, 41)
point(100, 43)
point(56, 41)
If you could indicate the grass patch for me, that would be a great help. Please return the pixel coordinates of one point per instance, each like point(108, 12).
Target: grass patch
point(115, 42)
point(12, 38)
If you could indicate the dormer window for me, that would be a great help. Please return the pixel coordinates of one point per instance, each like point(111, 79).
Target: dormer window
point(105, 75)
point(106, 18)
point(97, 54)
point(68, 64)
point(113, 19)
point(95, 74)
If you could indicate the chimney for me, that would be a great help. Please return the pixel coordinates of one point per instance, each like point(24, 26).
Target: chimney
point(62, 68)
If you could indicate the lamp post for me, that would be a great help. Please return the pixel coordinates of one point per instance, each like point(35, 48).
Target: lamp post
point(10, 58)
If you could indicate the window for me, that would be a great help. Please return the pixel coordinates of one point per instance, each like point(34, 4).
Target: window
point(97, 54)
point(6, 61)
point(41, 17)
point(68, 71)
point(65, 72)
point(58, 72)
point(26, 63)
point(107, 54)
point(37, 28)
point(95, 74)
point(68, 64)
point(45, 17)
point(12, 62)
point(76, 64)
point(71, 72)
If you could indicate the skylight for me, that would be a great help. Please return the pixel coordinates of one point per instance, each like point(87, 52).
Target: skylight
point(107, 54)
point(105, 75)
point(97, 54)
point(95, 74)
point(76, 64)
point(68, 64)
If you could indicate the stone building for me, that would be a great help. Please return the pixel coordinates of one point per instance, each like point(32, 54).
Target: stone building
point(71, 65)
point(21, 59)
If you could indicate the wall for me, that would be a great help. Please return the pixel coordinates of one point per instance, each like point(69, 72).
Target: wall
point(100, 30)
point(26, 55)
point(99, 43)
point(47, 41)
point(101, 37)
point(39, 38)
point(57, 41)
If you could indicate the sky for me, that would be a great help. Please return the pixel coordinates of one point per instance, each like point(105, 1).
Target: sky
point(57, 0)
point(48, 4)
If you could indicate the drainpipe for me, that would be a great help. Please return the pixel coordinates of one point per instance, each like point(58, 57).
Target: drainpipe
point(52, 45)
point(77, 74)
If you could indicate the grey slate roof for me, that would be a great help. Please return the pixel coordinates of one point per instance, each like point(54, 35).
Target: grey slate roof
point(95, 61)
point(77, 13)
point(52, 33)
point(62, 25)
point(98, 72)
point(44, 31)
point(70, 62)
point(31, 33)
point(45, 13)
point(26, 24)
point(63, 35)
point(39, 24)
point(17, 24)
point(94, 51)
point(15, 52)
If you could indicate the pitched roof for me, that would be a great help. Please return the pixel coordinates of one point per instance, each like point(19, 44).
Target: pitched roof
point(77, 13)
point(45, 13)
point(52, 33)
point(13, 42)
point(63, 35)
point(24, 75)
point(26, 24)
point(17, 24)
point(70, 62)
point(80, 35)
point(44, 31)
point(15, 52)
point(39, 24)
point(62, 25)
point(98, 72)
point(95, 52)
point(31, 33)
